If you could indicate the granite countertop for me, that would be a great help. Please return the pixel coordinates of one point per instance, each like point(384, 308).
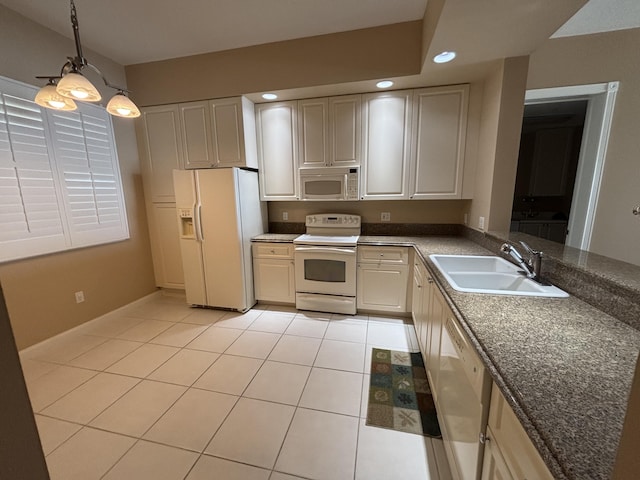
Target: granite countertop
point(564, 366)
point(275, 237)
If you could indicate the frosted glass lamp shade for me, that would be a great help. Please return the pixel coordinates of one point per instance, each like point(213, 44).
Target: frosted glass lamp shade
point(48, 97)
point(121, 106)
point(75, 86)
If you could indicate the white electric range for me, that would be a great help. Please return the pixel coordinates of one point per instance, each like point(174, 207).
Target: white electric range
point(325, 259)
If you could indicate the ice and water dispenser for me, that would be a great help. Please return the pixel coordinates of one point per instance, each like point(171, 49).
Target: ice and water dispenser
point(187, 228)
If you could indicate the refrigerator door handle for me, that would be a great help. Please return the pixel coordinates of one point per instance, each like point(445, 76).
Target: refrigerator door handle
point(197, 213)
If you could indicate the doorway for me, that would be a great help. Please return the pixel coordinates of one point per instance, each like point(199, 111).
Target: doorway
point(600, 100)
point(547, 165)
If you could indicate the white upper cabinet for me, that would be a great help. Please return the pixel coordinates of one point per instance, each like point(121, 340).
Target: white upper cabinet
point(329, 131)
point(345, 130)
point(386, 119)
point(313, 132)
point(440, 124)
point(218, 133)
point(277, 150)
point(161, 139)
point(233, 127)
point(196, 135)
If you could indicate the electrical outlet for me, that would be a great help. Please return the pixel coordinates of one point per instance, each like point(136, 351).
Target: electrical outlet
point(79, 296)
point(285, 215)
point(385, 216)
point(481, 223)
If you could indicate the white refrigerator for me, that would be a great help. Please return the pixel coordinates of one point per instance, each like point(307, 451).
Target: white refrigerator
point(219, 211)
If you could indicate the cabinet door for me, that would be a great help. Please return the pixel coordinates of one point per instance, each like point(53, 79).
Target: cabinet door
point(277, 150)
point(416, 304)
point(382, 287)
point(161, 151)
point(312, 132)
point(274, 280)
point(196, 135)
point(518, 452)
point(493, 465)
point(165, 245)
point(227, 132)
point(345, 130)
point(386, 130)
point(440, 123)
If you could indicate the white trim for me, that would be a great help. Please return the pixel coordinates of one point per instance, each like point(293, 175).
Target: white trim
point(31, 350)
point(601, 98)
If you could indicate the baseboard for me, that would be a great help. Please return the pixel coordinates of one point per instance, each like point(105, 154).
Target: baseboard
point(24, 353)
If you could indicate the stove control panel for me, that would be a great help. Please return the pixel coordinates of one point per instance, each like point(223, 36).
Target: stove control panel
point(333, 220)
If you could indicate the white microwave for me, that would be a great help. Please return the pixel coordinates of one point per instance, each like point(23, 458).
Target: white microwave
point(329, 183)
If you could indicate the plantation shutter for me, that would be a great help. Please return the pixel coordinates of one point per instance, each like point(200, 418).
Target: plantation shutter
point(89, 176)
point(30, 218)
point(60, 184)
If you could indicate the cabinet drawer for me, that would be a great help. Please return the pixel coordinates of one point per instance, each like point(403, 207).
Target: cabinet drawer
point(390, 255)
point(272, 250)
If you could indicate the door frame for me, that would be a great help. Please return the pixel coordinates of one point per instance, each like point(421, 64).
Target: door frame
point(601, 100)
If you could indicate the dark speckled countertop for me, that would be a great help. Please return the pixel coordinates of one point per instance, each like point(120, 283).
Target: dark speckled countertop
point(564, 366)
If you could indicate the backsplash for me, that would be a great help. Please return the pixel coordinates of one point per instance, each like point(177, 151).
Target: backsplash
point(401, 229)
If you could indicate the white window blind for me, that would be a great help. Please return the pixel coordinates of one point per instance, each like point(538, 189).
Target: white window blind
point(60, 184)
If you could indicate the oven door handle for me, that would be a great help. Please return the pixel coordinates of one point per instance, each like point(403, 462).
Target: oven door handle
point(329, 250)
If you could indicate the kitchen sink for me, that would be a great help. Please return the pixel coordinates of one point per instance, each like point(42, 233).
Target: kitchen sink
point(490, 274)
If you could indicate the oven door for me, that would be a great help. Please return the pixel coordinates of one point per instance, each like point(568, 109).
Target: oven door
point(326, 270)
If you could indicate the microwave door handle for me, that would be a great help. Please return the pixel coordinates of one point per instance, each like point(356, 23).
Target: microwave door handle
point(330, 250)
point(346, 186)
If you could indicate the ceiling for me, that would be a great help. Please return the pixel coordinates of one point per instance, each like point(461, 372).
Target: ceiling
point(139, 31)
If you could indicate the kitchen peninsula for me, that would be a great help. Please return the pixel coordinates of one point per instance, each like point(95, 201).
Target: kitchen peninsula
point(564, 366)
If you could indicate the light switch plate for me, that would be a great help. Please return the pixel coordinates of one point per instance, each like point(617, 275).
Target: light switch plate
point(481, 223)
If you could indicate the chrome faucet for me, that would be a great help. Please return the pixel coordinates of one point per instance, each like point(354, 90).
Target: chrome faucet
point(531, 266)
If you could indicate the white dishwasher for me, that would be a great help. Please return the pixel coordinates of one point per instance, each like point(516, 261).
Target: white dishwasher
point(464, 390)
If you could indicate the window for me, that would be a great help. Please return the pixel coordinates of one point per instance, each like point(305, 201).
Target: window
point(60, 184)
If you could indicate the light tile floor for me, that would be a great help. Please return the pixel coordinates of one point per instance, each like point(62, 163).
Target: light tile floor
point(164, 391)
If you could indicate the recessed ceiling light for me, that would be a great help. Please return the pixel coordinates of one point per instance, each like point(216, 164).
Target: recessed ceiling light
point(384, 84)
point(269, 96)
point(444, 57)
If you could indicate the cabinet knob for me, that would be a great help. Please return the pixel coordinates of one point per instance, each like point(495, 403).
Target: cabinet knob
point(273, 252)
point(430, 280)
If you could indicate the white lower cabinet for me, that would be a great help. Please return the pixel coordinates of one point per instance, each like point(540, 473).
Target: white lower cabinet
point(274, 272)
point(509, 453)
point(382, 278)
point(165, 245)
point(429, 312)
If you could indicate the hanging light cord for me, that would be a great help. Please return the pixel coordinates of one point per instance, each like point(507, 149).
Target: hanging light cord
point(79, 62)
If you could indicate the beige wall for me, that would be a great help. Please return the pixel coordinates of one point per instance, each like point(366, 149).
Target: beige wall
point(602, 58)
point(40, 291)
point(371, 53)
point(402, 211)
point(498, 144)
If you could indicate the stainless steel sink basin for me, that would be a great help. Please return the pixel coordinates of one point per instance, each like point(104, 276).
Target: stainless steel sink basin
point(490, 274)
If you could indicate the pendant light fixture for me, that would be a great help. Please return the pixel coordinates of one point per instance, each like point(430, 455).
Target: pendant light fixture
point(61, 91)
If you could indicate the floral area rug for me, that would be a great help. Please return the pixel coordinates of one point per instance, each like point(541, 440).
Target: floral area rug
point(399, 394)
